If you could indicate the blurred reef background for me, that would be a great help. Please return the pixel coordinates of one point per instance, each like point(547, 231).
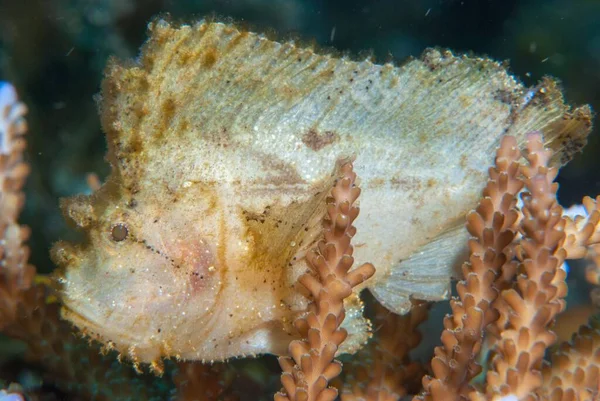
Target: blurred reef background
point(54, 52)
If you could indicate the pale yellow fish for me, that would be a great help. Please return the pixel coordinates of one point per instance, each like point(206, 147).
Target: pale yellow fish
point(224, 145)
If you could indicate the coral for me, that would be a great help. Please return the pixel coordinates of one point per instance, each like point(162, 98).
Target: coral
point(583, 230)
point(540, 288)
point(517, 304)
point(574, 371)
point(493, 229)
point(583, 240)
point(16, 275)
point(312, 366)
point(383, 370)
point(10, 396)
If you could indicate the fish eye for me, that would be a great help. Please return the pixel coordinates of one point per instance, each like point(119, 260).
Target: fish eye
point(119, 232)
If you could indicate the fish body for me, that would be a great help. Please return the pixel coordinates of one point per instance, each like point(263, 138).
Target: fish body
point(224, 146)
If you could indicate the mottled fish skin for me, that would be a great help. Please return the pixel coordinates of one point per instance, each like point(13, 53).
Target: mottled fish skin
point(223, 147)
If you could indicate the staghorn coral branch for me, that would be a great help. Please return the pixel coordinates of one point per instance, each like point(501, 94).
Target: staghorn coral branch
point(583, 232)
point(383, 370)
point(574, 374)
point(493, 229)
point(10, 395)
point(537, 295)
point(16, 275)
point(312, 366)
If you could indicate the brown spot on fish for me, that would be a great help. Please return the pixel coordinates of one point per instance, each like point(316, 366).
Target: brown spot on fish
point(280, 173)
point(184, 126)
point(220, 138)
point(210, 56)
point(168, 112)
point(317, 141)
point(406, 183)
point(377, 183)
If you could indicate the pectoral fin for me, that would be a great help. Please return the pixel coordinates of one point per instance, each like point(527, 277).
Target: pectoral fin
point(426, 274)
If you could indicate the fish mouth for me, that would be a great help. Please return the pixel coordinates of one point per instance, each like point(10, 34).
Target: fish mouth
point(91, 328)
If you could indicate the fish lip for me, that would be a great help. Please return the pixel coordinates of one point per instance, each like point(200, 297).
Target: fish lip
point(93, 329)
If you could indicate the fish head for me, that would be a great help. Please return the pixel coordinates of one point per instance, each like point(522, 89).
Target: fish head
point(145, 267)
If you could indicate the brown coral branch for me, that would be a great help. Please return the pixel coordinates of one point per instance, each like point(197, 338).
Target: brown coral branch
point(574, 374)
point(16, 275)
point(383, 370)
point(307, 374)
point(540, 287)
point(493, 229)
point(583, 232)
point(11, 394)
point(583, 241)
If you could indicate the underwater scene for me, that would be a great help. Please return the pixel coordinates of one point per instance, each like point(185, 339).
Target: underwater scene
point(299, 200)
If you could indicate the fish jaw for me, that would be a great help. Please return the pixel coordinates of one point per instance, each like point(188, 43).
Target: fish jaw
point(137, 310)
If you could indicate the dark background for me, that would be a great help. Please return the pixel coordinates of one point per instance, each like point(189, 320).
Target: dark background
point(55, 52)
